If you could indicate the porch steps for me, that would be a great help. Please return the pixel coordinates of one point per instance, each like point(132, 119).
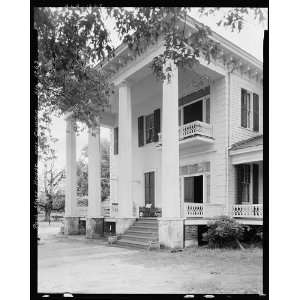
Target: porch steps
point(142, 234)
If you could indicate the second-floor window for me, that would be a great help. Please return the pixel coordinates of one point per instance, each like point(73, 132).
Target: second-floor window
point(198, 110)
point(249, 110)
point(149, 128)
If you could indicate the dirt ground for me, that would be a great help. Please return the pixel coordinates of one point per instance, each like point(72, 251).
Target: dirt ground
point(77, 265)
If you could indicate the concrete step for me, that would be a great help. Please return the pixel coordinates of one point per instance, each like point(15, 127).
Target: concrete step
point(147, 220)
point(141, 238)
point(131, 243)
point(143, 227)
point(147, 223)
point(141, 232)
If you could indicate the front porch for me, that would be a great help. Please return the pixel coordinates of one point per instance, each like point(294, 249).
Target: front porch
point(247, 159)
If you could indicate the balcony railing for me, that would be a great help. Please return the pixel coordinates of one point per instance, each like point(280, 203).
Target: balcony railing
point(247, 211)
point(193, 210)
point(195, 128)
point(192, 129)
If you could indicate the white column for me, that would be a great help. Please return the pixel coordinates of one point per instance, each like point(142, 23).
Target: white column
point(71, 176)
point(94, 174)
point(125, 152)
point(170, 148)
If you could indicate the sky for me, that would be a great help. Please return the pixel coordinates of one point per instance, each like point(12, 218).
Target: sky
point(249, 39)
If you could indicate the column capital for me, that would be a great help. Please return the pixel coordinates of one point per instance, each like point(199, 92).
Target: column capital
point(125, 83)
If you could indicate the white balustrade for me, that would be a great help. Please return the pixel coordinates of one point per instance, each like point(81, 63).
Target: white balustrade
point(193, 210)
point(195, 128)
point(192, 129)
point(247, 210)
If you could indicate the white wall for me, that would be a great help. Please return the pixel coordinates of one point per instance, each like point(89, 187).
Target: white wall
point(218, 163)
point(238, 133)
point(146, 97)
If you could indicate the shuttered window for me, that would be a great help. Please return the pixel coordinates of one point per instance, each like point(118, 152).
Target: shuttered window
point(243, 183)
point(255, 174)
point(149, 120)
point(255, 112)
point(141, 131)
point(245, 109)
point(116, 140)
point(156, 124)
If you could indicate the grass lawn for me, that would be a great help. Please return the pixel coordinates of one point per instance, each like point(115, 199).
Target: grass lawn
point(74, 264)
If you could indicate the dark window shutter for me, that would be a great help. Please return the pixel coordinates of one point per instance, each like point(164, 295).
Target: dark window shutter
point(156, 124)
point(239, 176)
point(151, 188)
point(207, 110)
point(244, 108)
point(255, 183)
point(255, 112)
point(141, 130)
point(116, 140)
point(147, 186)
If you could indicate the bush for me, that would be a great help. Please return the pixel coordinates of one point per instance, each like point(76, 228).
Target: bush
point(223, 232)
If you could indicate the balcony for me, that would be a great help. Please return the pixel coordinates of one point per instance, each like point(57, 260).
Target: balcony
point(248, 213)
point(199, 213)
point(193, 133)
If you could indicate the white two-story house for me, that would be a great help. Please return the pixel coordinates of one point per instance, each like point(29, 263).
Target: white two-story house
point(183, 151)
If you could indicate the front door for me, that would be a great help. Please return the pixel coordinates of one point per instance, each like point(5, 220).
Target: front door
point(150, 189)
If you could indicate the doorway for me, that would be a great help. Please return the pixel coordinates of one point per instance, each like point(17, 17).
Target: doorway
point(193, 189)
point(150, 189)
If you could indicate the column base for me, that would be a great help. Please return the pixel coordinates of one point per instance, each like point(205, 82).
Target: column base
point(170, 232)
point(94, 228)
point(71, 225)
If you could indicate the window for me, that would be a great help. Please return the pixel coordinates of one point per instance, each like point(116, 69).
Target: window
point(198, 110)
point(193, 189)
point(149, 128)
point(249, 110)
point(243, 183)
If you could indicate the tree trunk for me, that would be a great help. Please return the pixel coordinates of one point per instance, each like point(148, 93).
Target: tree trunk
point(47, 215)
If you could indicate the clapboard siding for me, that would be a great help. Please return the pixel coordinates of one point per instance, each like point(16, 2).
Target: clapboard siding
point(237, 133)
point(218, 159)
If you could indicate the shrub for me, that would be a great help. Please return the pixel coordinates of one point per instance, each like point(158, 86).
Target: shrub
point(223, 232)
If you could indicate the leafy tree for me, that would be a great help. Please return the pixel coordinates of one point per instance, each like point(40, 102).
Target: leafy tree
point(51, 196)
point(82, 171)
point(73, 40)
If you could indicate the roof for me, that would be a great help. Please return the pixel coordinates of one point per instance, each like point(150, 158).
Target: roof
point(252, 142)
point(225, 44)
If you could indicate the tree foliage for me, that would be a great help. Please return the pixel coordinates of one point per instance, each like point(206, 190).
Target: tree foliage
point(82, 171)
point(73, 40)
point(51, 196)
